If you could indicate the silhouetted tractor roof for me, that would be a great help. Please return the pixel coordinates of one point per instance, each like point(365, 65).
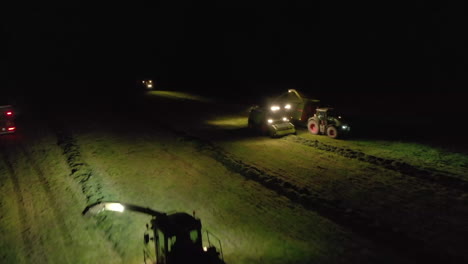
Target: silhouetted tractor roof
point(177, 223)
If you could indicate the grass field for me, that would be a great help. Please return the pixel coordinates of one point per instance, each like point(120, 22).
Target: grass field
point(296, 199)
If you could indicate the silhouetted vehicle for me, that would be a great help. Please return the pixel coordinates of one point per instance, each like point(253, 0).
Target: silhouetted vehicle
point(170, 238)
point(146, 84)
point(327, 121)
point(7, 122)
point(270, 121)
point(297, 107)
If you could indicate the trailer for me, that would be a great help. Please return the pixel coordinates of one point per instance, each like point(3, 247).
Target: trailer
point(297, 106)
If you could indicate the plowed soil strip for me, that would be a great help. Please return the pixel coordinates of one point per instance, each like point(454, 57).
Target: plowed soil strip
point(31, 251)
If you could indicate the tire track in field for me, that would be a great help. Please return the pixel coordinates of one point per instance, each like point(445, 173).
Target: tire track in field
point(30, 250)
point(359, 221)
point(90, 185)
point(443, 178)
point(58, 215)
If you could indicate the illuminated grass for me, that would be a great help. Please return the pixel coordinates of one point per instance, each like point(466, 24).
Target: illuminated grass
point(228, 122)
point(413, 153)
point(179, 96)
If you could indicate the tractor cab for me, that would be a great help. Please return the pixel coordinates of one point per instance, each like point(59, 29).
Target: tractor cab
point(177, 238)
point(328, 121)
point(327, 115)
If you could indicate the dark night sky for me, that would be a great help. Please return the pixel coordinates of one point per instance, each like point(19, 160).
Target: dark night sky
point(350, 48)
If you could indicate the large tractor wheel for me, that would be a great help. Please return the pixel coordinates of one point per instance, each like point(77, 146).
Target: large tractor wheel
point(313, 126)
point(332, 132)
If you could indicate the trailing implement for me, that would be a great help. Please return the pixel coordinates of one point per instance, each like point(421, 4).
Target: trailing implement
point(272, 122)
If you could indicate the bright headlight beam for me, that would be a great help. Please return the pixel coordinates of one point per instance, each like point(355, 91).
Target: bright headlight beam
point(275, 108)
point(288, 106)
point(116, 207)
point(270, 121)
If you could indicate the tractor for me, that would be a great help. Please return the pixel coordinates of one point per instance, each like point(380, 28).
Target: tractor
point(174, 238)
point(327, 121)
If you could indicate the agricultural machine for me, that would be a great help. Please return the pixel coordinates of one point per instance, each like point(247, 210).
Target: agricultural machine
point(7, 116)
point(272, 121)
point(148, 84)
point(327, 121)
point(170, 238)
point(297, 107)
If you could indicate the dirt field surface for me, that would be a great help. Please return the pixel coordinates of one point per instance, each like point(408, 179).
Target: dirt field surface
point(296, 199)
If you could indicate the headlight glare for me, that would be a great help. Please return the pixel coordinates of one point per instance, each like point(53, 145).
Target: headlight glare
point(275, 108)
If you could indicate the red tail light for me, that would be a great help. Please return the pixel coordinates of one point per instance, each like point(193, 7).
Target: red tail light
point(9, 113)
point(11, 128)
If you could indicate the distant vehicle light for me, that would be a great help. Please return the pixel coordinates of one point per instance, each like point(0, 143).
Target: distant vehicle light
point(275, 108)
point(270, 121)
point(288, 106)
point(285, 119)
point(11, 128)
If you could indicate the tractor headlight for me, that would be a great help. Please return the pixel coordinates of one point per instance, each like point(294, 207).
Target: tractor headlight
point(270, 121)
point(345, 127)
point(285, 119)
point(149, 85)
point(288, 106)
point(275, 108)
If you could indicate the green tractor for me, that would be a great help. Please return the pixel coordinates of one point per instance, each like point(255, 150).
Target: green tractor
point(327, 121)
point(170, 238)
